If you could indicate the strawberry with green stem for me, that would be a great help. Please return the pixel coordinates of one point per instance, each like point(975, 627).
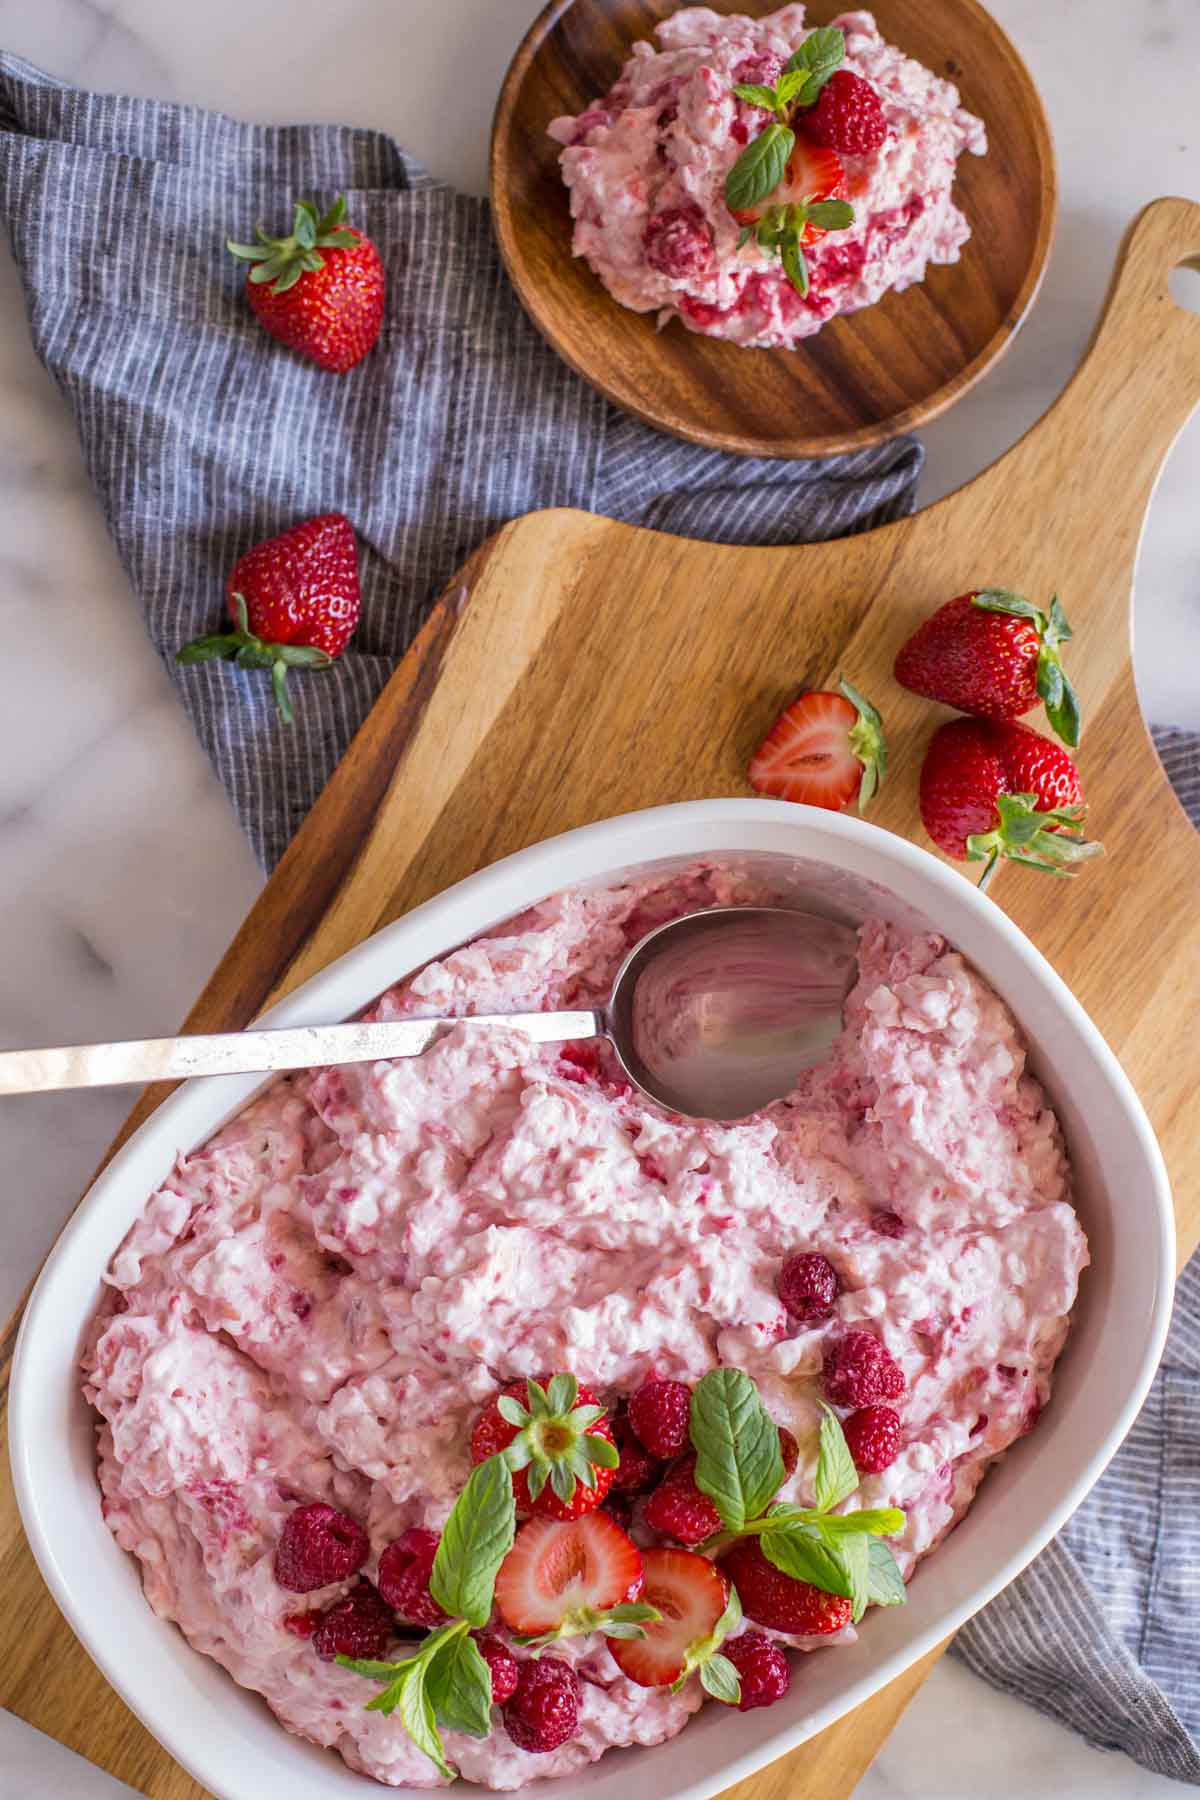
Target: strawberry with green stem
point(557, 1442)
point(320, 289)
point(993, 653)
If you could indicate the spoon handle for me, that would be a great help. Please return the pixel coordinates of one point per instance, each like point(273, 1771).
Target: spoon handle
point(249, 1052)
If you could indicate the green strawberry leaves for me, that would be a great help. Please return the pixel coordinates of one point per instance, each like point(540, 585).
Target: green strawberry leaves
point(627, 1620)
point(476, 1538)
point(1053, 686)
point(739, 1464)
point(1044, 840)
point(722, 1680)
point(284, 260)
point(553, 1438)
point(243, 647)
point(868, 744)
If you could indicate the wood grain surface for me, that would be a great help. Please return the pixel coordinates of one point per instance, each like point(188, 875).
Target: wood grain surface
point(580, 668)
point(862, 378)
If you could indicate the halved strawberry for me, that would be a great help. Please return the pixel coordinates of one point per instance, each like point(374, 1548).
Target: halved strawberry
point(565, 1580)
point(813, 174)
point(692, 1596)
point(823, 750)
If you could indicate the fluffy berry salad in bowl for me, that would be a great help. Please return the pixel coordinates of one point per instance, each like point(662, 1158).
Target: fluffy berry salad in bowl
point(483, 1418)
point(753, 177)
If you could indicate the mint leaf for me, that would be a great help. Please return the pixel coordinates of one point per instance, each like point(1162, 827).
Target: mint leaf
point(744, 236)
point(837, 1476)
point(752, 94)
point(856, 1559)
point(459, 1684)
point(790, 84)
point(794, 265)
point(885, 1583)
point(799, 1551)
point(476, 1538)
point(417, 1718)
point(739, 1464)
point(760, 168)
point(719, 1678)
point(820, 54)
point(883, 1521)
point(830, 215)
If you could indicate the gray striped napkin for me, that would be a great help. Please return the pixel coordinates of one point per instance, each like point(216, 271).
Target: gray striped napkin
point(201, 437)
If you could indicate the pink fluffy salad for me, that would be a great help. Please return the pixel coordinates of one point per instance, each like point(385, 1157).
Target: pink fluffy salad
point(688, 204)
point(298, 1361)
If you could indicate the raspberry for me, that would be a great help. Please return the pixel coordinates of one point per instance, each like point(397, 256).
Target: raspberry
point(661, 1413)
point(678, 243)
point(762, 1667)
point(543, 1711)
point(359, 1625)
point(859, 1371)
point(809, 1286)
point(789, 1449)
point(404, 1570)
point(771, 1598)
point(679, 1510)
point(702, 314)
point(760, 70)
point(847, 118)
point(302, 1624)
point(319, 1544)
point(503, 1664)
point(638, 1469)
point(873, 1438)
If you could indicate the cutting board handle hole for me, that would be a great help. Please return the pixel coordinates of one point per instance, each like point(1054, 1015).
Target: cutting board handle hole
point(1184, 283)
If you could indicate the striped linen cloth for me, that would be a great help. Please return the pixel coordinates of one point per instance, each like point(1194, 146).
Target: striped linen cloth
point(201, 437)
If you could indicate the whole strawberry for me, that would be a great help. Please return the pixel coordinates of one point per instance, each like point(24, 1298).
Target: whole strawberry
point(557, 1443)
point(995, 654)
point(994, 788)
point(320, 290)
point(294, 602)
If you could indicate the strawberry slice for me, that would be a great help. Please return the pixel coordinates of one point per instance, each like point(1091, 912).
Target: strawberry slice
point(692, 1596)
point(568, 1579)
point(813, 174)
point(823, 751)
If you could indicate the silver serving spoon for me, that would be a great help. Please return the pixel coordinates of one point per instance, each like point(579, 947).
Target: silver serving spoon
point(712, 1015)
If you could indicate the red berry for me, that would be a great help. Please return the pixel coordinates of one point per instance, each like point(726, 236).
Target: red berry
point(679, 1510)
point(976, 781)
point(762, 1668)
point(543, 1712)
point(873, 1438)
point(294, 601)
point(331, 313)
point(554, 1437)
point(557, 1570)
point(319, 1545)
point(359, 1625)
point(661, 1413)
point(859, 1371)
point(638, 1470)
point(809, 1287)
point(404, 1571)
point(302, 1624)
point(993, 653)
point(789, 1449)
point(824, 750)
point(691, 1594)
point(771, 1598)
point(503, 1664)
point(848, 116)
point(678, 243)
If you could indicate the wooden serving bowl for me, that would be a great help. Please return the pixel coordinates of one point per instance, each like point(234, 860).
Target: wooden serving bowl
point(863, 377)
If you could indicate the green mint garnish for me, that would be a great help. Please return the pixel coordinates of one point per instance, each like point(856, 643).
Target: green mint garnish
point(885, 1583)
point(739, 1464)
point(410, 1687)
point(821, 53)
point(760, 168)
point(836, 1477)
point(476, 1538)
point(553, 1438)
point(459, 1686)
point(1061, 700)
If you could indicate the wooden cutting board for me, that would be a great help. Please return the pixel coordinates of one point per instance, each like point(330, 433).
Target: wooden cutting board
point(579, 668)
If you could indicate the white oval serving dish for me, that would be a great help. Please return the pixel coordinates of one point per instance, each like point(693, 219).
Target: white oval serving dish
point(225, 1736)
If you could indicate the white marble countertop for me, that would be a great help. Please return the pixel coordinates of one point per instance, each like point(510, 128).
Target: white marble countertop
point(122, 873)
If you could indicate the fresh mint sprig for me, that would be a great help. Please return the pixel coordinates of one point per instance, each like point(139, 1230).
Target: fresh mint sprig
point(760, 168)
point(446, 1681)
point(733, 1435)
